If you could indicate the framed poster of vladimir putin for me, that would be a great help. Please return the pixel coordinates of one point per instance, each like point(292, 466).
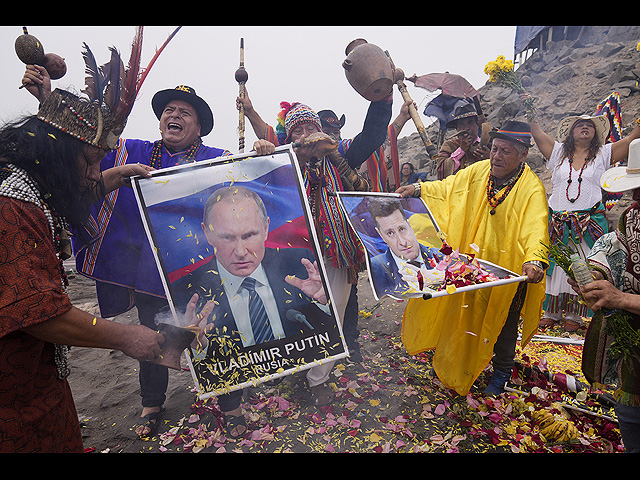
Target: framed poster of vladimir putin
point(241, 268)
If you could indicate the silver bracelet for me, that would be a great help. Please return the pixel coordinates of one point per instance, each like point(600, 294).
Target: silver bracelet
point(416, 189)
point(538, 264)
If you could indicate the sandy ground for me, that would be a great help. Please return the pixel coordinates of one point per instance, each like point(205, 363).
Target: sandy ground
point(389, 402)
point(106, 388)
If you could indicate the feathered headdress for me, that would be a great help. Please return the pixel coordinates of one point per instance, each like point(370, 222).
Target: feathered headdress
point(111, 91)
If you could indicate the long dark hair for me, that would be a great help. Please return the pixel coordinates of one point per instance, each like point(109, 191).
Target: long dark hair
point(569, 145)
point(50, 157)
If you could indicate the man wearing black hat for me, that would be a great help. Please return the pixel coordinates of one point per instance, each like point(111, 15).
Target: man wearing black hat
point(183, 115)
point(331, 125)
point(467, 146)
point(118, 255)
point(499, 207)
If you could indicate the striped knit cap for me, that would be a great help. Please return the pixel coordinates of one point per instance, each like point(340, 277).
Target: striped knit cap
point(293, 115)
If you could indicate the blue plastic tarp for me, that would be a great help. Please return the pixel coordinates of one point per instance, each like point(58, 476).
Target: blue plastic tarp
point(524, 35)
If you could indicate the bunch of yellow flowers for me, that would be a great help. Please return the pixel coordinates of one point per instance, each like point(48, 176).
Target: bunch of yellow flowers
point(501, 70)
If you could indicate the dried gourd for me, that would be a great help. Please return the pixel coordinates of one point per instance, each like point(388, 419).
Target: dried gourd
point(29, 49)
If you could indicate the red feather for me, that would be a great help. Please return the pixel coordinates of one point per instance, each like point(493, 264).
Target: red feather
point(135, 76)
point(145, 72)
point(130, 87)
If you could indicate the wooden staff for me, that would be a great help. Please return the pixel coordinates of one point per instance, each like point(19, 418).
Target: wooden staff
point(398, 77)
point(241, 77)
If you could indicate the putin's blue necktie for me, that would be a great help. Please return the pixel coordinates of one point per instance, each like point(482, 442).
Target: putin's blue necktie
point(257, 314)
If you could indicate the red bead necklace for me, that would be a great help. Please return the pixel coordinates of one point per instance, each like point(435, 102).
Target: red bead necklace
point(579, 178)
point(492, 193)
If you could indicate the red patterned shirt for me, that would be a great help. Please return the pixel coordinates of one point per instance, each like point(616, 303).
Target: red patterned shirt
point(37, 412)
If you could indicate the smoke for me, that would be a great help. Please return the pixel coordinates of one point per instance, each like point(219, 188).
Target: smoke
point(168, 317)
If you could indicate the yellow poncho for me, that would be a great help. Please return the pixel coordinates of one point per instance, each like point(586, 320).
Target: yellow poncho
point(462, 328)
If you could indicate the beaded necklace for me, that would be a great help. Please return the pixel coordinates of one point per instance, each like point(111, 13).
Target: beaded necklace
point(189, 156)
point(579, 178)
point(492, 192)
point(17, 184)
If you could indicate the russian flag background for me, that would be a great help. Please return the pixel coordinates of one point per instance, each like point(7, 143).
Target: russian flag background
point(174, 200)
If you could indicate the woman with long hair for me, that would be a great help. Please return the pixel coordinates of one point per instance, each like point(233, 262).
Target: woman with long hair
point(577, 159)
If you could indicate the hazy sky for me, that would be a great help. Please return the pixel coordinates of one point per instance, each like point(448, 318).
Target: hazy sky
point(293, 64)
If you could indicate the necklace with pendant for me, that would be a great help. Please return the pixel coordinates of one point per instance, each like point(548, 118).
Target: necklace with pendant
point(579, 179)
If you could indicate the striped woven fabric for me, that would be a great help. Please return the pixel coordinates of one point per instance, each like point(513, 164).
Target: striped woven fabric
point(610, 107)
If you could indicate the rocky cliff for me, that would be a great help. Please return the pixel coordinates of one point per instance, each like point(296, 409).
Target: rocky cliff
point(568, 77)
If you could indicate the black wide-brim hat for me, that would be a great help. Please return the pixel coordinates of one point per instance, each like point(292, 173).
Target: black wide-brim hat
point(186, 94)
point(462, 109)
point(518, 132)
point(328, 118)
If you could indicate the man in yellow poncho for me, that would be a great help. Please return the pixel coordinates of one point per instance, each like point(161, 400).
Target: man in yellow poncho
point(499, 205)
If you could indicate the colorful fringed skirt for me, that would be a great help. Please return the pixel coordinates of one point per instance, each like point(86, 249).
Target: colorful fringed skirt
point(578, 230)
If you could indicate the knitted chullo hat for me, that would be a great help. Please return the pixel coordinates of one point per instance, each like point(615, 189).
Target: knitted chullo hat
point(292, 115)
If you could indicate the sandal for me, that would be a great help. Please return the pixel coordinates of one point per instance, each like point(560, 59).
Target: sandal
point(232, 423)
point(571, 325)
point(546, 322)
point(152, 422)
point(321, 395)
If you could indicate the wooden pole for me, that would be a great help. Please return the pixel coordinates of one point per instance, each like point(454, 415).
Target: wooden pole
point(398, 76)
point(241, 77)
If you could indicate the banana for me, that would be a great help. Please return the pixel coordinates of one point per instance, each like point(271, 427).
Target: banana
point(539, 414)
point(560, 431)
point(547, 430)
point(547, 421)
point(542, 416)
point(572, 432)
point(551, 433)
point(554, 428)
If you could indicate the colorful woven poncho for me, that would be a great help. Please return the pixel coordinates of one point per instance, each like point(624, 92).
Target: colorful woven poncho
point(339, 242)
point(615, 256)
point(118, 254)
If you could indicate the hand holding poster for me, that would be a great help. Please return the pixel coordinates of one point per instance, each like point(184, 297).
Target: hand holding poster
point(239, 264)
point(407, 256)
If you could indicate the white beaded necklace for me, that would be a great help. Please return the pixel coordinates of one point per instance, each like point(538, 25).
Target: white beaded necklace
point(20, 186)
